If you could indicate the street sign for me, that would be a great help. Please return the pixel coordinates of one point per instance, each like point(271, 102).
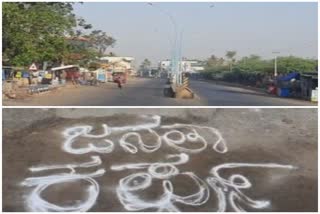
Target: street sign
point(33, 67)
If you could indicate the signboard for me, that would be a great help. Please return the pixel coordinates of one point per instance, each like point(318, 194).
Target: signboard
point(33, 67)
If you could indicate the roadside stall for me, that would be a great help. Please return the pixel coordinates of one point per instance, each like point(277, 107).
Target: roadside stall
point(9, 83)
point(8, 73)
point(21, 76)
point(17, 81)
point(107, 69)
point(101, 75)
point(289, 85)
point(109, 75)
point(309, 86)
point(68, 73)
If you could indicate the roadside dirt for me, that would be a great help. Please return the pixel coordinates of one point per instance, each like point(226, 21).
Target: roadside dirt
point(287, 189)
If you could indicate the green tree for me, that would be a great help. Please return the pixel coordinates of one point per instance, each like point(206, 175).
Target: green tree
point(35, 31)
point(253, 70)
point(49, 31)
point(101, 41)
point(254, 64)
point(145, 65)
point(86, 46)
point(230, 55)
point(212, 61)
point(215, 64)
point(292, 63)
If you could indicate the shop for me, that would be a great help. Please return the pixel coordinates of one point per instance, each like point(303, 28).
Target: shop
point(309, 86)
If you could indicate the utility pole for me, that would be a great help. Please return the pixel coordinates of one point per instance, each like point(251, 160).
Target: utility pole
point(175, 60)
point(275, 63)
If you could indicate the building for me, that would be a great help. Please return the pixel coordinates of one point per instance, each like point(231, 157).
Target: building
point(189, 66)
point(118, 64)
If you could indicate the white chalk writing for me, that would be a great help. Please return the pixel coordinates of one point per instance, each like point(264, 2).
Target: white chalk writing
point(36, 203)
point(183, 139)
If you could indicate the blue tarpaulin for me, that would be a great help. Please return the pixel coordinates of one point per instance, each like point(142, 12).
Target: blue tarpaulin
point(25, 74)
point(290, 76)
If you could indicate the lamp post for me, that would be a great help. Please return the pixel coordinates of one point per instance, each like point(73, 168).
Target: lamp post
point(275, 63)
point(175, 59)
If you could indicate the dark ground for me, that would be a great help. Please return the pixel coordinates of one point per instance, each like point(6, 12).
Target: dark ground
point(280, 140)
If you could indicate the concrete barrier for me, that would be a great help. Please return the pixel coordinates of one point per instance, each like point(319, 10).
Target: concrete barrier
point(184, 93)
point(174, 91)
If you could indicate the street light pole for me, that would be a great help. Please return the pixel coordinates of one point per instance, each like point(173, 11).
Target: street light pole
point(175, 61)
point(275, 63)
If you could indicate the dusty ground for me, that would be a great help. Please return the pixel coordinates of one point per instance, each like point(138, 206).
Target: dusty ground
point(282, 136)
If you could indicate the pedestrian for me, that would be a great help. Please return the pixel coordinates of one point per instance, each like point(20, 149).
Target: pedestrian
point(93, 80)
point(72, 80)
point(29, 77)
point(63, 77)
point(119, 82)
point(75, 79)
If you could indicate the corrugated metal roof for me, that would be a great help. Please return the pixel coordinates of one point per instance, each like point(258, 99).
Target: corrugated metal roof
point(64, 67)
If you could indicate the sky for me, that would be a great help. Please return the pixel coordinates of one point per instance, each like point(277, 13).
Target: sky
point(145, 31)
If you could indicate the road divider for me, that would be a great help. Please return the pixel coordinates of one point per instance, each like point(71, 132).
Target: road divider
point(179, 91)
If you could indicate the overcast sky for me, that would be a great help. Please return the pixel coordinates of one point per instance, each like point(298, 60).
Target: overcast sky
point(143, 31)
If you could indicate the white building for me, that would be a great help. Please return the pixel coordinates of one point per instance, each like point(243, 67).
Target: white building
point(119, 63)
point(190, 66)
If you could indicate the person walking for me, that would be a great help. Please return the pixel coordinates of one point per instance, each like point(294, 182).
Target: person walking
point(75, 78)
point(63, 77)
point(118, 80)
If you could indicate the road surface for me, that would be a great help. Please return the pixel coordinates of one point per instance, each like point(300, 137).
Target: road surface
point(222, 95)
point(149, 92)
point(274, 161)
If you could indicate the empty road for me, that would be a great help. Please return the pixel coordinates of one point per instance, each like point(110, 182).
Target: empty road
point(149, 92)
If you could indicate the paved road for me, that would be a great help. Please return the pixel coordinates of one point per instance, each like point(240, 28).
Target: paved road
point(221, 95)
point(149, 92)
point(138, 92)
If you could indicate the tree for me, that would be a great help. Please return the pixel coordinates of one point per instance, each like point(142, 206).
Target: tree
point(111, 54)
point(145, 65)
point(230, 55)
point(79, 54)
point(254, 63)
point(49, 31)
point(81, 26)
point(86, 45)
point(101, 41)
point(212, 61)
point(35, 31)
point(221, 61)
point(292, 63)
point(79, 49)
point(253, 70)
